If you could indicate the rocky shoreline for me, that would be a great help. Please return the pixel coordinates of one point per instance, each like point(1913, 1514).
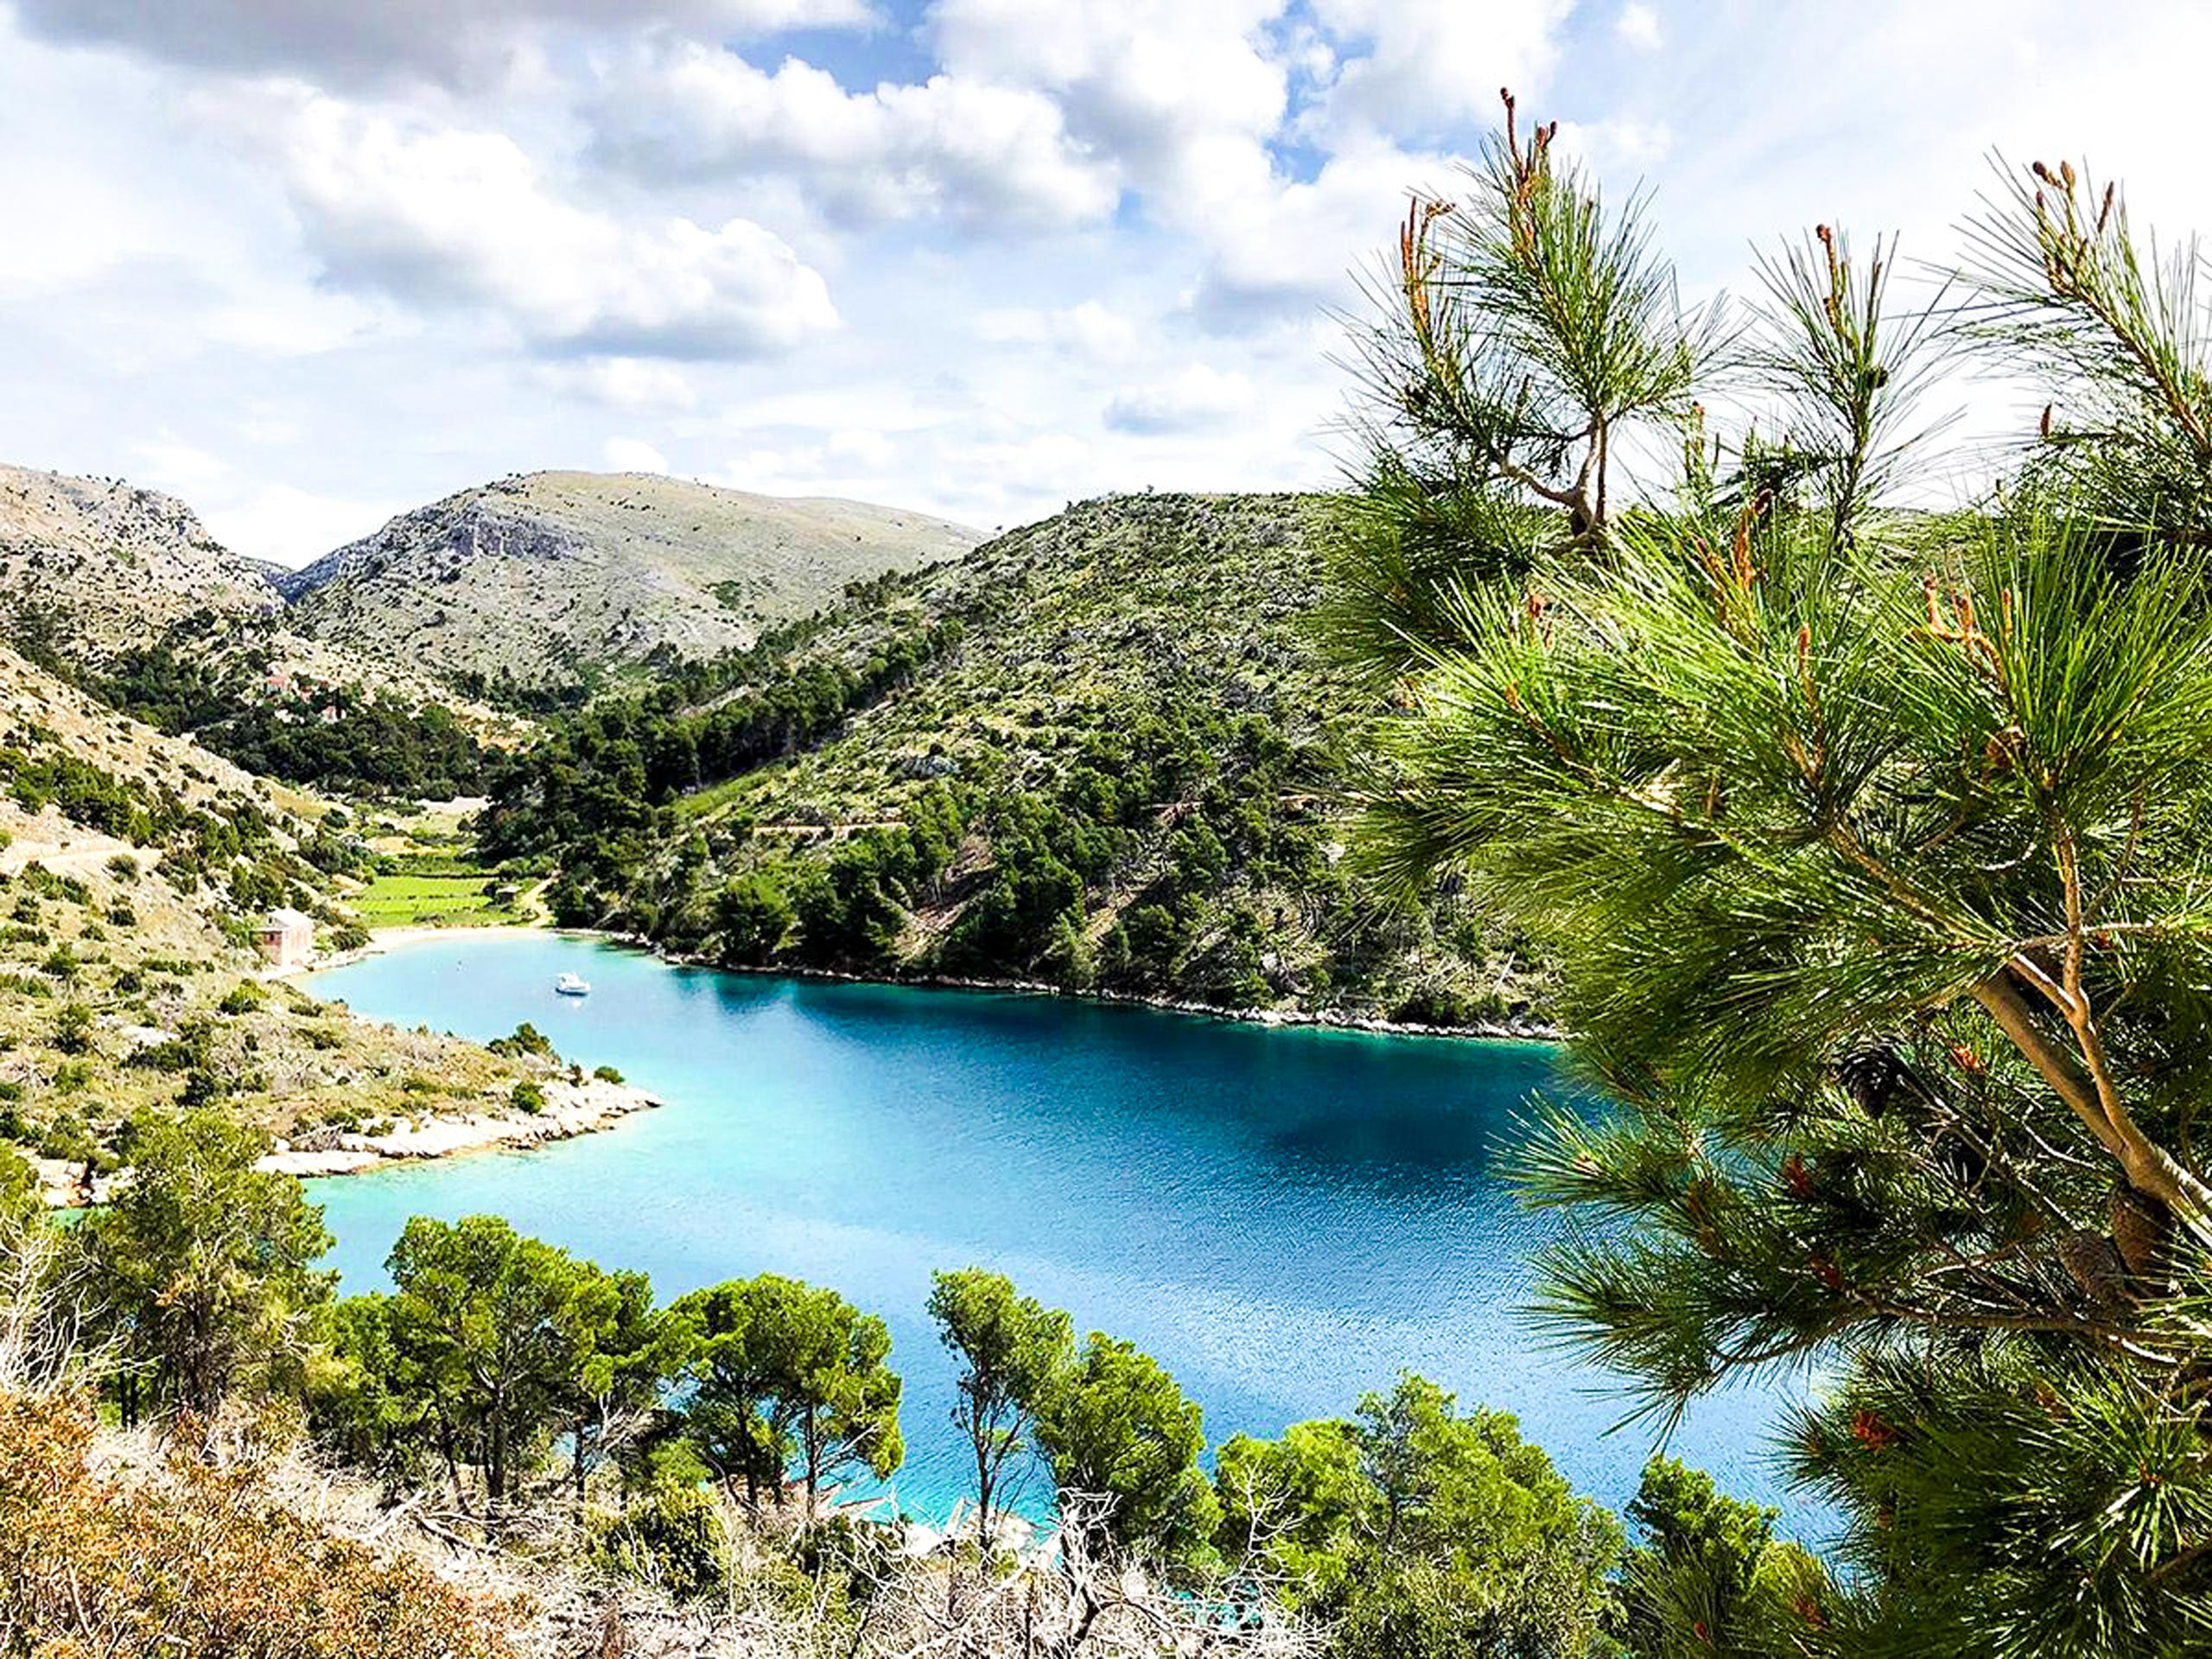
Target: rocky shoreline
point(571, 1109)
point(1516, 1031)
point(583, 1107)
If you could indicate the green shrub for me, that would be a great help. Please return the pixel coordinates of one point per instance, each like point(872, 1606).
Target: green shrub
point(73, 1029)
point(673, 1538)
point(528, 1097)
point(526, 1040)
point(244, 997)
point(606, 1074)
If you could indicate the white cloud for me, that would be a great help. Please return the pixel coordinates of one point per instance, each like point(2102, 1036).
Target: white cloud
point(445, 217)
point(348, 41)
point(1298, 246)
point(620, 382)
point(1088, 330)
point(995, 157)
point(1198, 397)
point(1183, 97)
point(1415, 68)
point(1637, 27)
point(180, 468)
point(291, 526)
point(633, 455)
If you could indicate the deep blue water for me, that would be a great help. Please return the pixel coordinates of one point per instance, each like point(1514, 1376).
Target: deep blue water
point(1285, 1218)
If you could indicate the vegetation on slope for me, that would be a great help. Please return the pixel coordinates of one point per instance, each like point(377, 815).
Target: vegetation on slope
point(240, 705)
point(122, 592)
point(532, 1420)
point(132, 867)
point(1102, 753)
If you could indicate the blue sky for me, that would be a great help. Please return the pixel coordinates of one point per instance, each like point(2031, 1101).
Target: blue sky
point(309, 262)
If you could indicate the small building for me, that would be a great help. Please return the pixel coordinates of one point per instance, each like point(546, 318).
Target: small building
point(286, 938)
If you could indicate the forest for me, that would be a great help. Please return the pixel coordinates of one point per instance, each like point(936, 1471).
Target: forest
point(341, 738)
point(505, 1387)
point(1105, 754)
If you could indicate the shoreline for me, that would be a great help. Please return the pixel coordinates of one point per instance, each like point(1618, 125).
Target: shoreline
point(1528, 1031)
point(587, 1108)
point(1521, 1031)
point(571, 1110)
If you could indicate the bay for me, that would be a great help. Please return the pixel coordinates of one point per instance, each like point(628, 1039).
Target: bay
point(1284, 1217)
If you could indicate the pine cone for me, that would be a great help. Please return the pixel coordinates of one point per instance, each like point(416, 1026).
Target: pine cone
point(2094, 1263)
point(2141, 1228)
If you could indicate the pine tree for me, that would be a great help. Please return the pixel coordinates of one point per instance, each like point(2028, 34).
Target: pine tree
point(1873, 848)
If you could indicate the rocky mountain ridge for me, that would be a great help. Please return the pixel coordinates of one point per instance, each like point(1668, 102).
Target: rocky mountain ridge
point(546, 577)
point(101, 563)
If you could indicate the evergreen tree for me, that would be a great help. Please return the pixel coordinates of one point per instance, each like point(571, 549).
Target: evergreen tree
point(1707, 1574)
point(206, 1263)
point(1872, 847)
point(1116, 1427)
point(1420, 1529)
point(1013, 1351)
point(789, 1372)
point(501, 1340)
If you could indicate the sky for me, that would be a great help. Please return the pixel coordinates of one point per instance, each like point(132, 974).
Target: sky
point(309, 262)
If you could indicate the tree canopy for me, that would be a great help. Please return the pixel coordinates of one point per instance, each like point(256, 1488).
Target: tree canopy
point(1871, 844)
point(1013, 1351)
point(207, 1263)
point(1415, 1529)
point(790, 1373)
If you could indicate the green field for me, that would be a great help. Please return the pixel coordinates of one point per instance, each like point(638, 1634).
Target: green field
point(444, 897)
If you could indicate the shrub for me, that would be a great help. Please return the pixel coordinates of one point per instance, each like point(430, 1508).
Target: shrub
point(244, 998)
point(528, 1097)
point(606, 1074)
point(526, 1040)
point(199, 1562)
point(73, 1029)
point(673, 1538)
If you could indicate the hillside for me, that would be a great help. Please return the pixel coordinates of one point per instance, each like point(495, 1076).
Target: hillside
point(131, 865)
point(123, 592)
point(1100, 751)
point(545, 576)
point(95, 564)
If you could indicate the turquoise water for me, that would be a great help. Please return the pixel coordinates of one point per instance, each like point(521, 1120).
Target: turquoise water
point(1285, 1218)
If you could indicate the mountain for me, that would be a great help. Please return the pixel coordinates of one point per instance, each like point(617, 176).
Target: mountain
point(122, 592)
point(1102, 752)
point(93, 565)
point(543, 576)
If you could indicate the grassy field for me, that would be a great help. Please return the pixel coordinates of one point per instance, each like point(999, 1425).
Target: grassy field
point(410, 895)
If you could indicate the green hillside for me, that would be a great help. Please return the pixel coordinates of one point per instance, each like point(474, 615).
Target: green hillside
point(1100, 751)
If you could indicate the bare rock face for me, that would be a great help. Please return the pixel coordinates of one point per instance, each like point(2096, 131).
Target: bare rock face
point(542, 576)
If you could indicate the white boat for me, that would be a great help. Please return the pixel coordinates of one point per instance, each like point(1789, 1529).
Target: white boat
point(572, 985)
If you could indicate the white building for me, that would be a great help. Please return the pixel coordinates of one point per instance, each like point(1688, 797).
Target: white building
point(286, 938)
